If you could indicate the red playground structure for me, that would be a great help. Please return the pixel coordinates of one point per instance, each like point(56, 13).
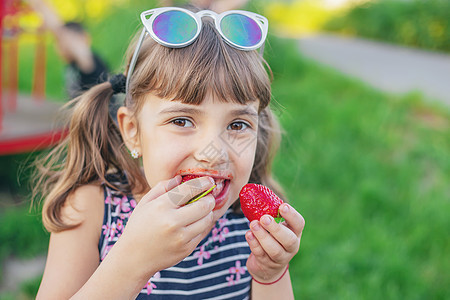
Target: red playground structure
point(27, 122)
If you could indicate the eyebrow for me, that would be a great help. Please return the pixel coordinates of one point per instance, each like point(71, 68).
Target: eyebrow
point(244, 111)
point(181, 109)
point(195, 111)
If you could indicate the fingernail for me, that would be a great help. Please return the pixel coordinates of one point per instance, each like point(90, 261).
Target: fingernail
point(211, 180)
point(206, 181)
point(266, 220)
point(250, 236)
point(199, 184)
point(175, 179)
point(285, 209)
point(256, 226)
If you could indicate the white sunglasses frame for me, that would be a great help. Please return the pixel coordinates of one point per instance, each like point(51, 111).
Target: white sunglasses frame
point(147, 21)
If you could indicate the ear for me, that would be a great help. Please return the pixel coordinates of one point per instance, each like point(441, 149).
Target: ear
point(129, 129)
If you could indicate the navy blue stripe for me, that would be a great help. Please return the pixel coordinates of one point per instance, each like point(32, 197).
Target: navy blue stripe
point(219, 272)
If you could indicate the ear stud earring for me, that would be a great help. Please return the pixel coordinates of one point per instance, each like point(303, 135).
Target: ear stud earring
point(134, 154)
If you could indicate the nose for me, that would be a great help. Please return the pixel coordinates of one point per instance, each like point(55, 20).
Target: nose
point(212, 153)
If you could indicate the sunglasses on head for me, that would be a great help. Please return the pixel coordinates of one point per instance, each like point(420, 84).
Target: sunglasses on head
point(177, 27)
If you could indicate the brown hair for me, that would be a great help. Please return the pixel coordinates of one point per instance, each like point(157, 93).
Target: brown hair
point(95, 147)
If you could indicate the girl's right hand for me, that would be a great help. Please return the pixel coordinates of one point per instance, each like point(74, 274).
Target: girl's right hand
point(161, 231)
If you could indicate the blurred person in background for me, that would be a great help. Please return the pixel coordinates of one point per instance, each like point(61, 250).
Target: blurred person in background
point(85, 68)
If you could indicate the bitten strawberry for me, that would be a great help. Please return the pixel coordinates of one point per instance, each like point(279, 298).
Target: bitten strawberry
point(189, 177)
point(258, 200)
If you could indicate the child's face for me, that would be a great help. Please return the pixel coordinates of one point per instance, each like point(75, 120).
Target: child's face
point(214, 138)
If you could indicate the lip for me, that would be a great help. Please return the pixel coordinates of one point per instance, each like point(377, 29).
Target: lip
point(223, 196)
point(216, 174)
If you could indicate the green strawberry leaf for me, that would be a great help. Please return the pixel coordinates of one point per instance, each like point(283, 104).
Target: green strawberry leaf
point(201, 195)
point(279, 220)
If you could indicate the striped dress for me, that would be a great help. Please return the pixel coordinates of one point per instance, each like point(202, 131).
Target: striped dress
point(216, 269)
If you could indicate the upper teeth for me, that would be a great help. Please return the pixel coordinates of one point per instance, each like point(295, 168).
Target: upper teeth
point(219, 186)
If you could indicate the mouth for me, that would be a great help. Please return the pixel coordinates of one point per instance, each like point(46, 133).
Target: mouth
point(221, 188)
point(220, 192)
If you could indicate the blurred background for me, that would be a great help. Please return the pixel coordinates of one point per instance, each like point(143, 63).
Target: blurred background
point(361, 90)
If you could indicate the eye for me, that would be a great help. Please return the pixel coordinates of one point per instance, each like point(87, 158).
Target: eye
point(182, 122)
point(238, 126)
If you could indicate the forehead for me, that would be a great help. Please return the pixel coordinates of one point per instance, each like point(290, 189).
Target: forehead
point(206, 66)
point(208, 105)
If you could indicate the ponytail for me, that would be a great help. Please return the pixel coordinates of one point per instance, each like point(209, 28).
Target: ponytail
point(93, 147)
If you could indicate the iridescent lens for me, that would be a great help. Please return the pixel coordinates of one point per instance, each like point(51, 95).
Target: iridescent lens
point(241, 30)
point(174, 27)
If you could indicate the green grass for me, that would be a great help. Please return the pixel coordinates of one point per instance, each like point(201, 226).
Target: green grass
point(22, 235)
point(416, 23)
point(368, 171)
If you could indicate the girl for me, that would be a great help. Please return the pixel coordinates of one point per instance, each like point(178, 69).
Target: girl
point(196, 108)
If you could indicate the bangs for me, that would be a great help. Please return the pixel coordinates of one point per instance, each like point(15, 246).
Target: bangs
point(208, 66)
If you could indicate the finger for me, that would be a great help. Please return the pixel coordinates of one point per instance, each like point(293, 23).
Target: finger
point(271, 246)
point(255, 246)
point(195, 241)
point(162, 187)
point(284, 235)
point(294, 219)
point(184, 192)
point(192, 213)
point(201, 226)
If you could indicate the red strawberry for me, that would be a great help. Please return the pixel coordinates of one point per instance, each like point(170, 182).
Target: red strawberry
point(189, 177)
point(258, 200)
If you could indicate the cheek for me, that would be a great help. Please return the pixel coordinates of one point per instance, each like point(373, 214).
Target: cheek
point(161, 158)
point(244, 164)
point(247, 157)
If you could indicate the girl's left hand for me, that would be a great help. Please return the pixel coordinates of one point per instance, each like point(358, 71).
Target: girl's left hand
point(273, 245)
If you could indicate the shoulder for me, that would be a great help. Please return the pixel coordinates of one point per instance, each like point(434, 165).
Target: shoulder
point(73, 254)
point(84, 204)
